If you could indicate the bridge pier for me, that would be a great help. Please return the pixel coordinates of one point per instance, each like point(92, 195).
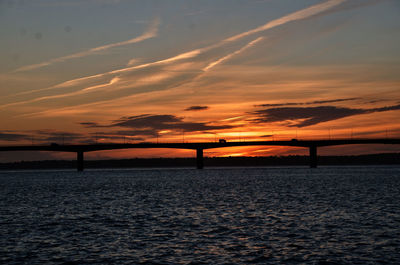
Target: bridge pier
point(199, 159)
point(79, 159)
point(313, 156)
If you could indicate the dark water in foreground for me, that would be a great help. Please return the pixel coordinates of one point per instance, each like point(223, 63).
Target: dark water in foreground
point(331, 215)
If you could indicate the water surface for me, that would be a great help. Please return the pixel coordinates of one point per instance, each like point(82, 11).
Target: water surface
point(328, 215)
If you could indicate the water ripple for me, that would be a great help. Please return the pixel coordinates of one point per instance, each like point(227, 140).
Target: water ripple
point(330, 215)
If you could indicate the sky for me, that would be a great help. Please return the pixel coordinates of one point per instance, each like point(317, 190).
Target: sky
point(127, 71)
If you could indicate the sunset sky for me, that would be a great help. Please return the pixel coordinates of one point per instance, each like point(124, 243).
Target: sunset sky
point(81, 71)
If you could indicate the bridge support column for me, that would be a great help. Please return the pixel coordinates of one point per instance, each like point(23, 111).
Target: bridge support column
point(199, 159)
point(79, 159)
point(313, 156)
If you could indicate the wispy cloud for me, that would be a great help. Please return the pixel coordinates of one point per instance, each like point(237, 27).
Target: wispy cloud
point(307, 116)
point(151, 32)
point(137, 132)
point(250, 44)
point(205, 63)
point(196, 108)
point(11, 136)
point(307, 103)
point(76, 93)
point(41, 136)
point(160, 122)
point(301, 14)
point(57, 136)
point(179, 57)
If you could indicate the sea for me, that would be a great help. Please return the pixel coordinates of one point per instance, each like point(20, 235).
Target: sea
point(272, 215)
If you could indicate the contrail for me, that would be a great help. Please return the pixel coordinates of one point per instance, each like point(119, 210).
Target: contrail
point(151, 32)
point(116, 79)
point(301, 14)
point(298, 15)
point(248, 45)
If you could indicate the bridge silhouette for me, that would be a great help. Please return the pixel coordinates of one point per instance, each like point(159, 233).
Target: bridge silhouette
point(312, 145)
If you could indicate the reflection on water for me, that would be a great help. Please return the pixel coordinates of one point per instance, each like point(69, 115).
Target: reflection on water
point(329, 215)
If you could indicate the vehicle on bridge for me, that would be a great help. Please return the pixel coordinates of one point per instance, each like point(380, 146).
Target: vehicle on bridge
point(222, 141)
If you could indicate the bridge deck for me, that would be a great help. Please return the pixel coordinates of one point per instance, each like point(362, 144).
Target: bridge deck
point(194, 146)
point(199, 147)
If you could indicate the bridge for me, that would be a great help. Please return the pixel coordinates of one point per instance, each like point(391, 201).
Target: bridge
point(312, 145)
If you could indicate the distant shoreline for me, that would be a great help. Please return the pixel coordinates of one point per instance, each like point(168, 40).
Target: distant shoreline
point(295, 160)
